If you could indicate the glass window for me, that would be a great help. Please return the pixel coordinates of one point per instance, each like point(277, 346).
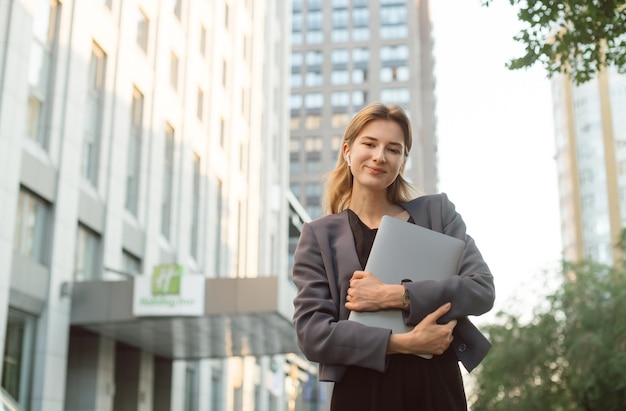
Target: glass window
point(314, 210)
point(18, 356)
point(340, 99)
point(360, 17)
point(314, 79)
point(45, 22)
point(314, 100)
point(313, 144)
point(394, 53)
point(359, 76)
point(313, 189)
point(394, 32)
point(296, 189)
point(131, 264)
point(399, 96)
point(294, 123)
point(143, 30)
point(177, 8)
point(335, 142)
point(340, 3)
point(313, 122)
point(389, 74)
point(339, 120)
point(296, 80)
point(314, 58)
point(217, 386)
point(360, 34)
point(195, 207)
point(224, 73)
point(297, 38)
point(167, 181)
point(340, 35)
point(340, 18)
point(339, 56)
point(359, 98)
point(340, 77)
point(360, 55)
point(297, 20)
point(393, 15)
point(174, 70)
point(200, 105)
point(32, 226)
point(294, 164)
point(218, 229)
point(133, 165)
point(94, 108)
point(203, 35)
point(191, 387)
point(315, 37)
point(314, 4)
point(314, 20)
point(295, 101)
point(87, 254)
point(296, 59)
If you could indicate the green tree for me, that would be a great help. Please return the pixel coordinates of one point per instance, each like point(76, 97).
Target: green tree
point(577, 37)
point(571, 356)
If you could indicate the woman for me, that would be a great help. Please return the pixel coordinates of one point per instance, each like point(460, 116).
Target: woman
point(372, 368)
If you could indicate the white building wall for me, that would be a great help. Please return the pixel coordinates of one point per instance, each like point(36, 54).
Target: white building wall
point(251, 165)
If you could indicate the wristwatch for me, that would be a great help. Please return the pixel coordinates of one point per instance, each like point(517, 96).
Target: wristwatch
point(406, 300)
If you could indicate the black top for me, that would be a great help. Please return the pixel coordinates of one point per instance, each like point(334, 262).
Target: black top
point(409, 382)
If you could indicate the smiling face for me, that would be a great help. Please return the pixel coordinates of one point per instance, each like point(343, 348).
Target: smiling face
point(376, 155)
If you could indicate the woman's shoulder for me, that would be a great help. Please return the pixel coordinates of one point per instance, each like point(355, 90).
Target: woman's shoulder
point(329, 219)
point(427, 200)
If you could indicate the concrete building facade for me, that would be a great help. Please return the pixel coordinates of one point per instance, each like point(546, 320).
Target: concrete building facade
point(346, 54)
point(137, 136)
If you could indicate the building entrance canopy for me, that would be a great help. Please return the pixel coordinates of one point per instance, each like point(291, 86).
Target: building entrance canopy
point(242, 316)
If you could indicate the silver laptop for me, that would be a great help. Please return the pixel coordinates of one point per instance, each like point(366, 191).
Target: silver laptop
point(406, 251)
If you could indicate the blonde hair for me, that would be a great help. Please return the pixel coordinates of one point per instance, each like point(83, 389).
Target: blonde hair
point(338, 182)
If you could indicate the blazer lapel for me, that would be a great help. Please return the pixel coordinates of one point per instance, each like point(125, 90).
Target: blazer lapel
point(346, 259)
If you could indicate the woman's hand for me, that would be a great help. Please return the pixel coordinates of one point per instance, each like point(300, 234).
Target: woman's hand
point(427, 337)
point(368, 293)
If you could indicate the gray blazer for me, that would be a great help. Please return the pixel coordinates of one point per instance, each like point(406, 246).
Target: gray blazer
point(326, 258)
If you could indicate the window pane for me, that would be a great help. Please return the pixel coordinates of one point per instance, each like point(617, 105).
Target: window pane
point(93, 117)
point(31, 226)
point(18, 355)
point(168, 181)
point(87, 254)
point(143, 26)
point(134, 153)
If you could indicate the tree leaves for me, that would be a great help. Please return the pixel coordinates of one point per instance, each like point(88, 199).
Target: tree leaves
point(576, 37)
point(570, 356)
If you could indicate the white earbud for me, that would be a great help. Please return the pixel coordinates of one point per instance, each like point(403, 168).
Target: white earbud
point(348, 160)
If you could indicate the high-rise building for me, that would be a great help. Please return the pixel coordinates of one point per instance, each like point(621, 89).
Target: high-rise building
point(346, 54)
point(590, 134)
point(145, 206)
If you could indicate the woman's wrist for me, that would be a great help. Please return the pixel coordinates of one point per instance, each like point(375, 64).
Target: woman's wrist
point(394, 298)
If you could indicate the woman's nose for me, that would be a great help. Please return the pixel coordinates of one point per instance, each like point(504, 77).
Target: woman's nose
point(380, 155)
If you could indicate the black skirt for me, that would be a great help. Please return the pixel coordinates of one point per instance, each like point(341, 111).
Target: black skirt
point(409, 383)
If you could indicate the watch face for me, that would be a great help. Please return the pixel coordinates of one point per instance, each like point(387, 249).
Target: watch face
point(405, 297)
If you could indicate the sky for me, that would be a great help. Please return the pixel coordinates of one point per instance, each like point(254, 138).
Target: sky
point(496, 148)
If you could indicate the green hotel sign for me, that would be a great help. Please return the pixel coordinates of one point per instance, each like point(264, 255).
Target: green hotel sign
point(168, 292)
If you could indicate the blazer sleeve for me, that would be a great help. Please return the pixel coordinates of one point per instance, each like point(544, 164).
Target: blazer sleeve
point(322, 336)
point(471, 292)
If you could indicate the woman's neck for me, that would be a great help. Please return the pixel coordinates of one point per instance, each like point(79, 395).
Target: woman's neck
point(371, 209)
